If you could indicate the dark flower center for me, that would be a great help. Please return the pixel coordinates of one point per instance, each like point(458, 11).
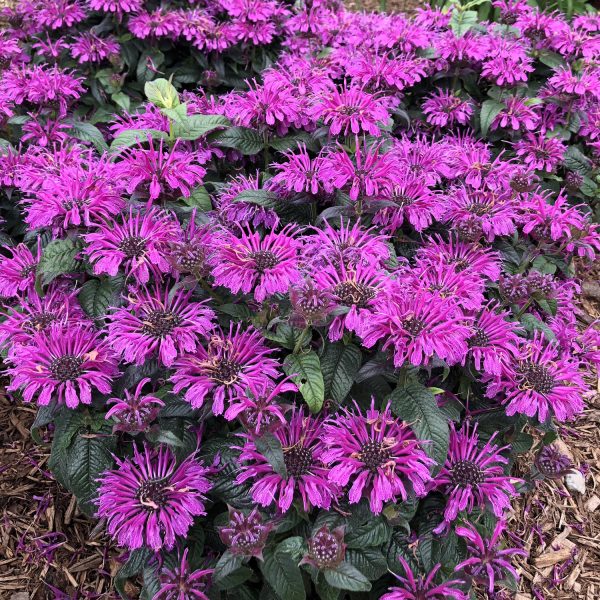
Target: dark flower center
point(479, 338)
point(466, 472)
point(41, 320)
point(373, 454)
point(192, 259)
point(538, 378)
point(413, 326)
point(66, 368)
point(226, 371)
point(352, 293)
point(476, 208)
point(460, 264)
point(264, 259)
point(153, 494)
point(133, 247)
point(247, 539)
point(28, 270)
point(298, 461)
point(159, 323)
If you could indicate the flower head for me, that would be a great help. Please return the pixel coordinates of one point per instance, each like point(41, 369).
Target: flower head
point(181, 583)
point(375, 454)
point(326, 549)
point(551, 463)
point(134, 412)
point(17, 273)
point(245, 534)
point(150, 500)
point(445, 109)
point(89, 48)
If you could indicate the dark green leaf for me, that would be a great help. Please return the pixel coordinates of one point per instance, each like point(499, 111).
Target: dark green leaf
point(270, 447)
point(58, 258)
point(148, 64)
point(325, 591)
point(131, 137)
point(247, 141)
point(89, 133)
point(195, 126)
point(531, 323)
point(489, 111)
point(374, 532)
point(340, 364)
point(198, 198)
point(290, 142)
point(576, 160)
point(347, 577)
point(134, 566)
point(261, 197)
point(283, 575)
point(369, 561)
point(226, 565)
point(97, 295)
point(306, 369)
point(293, 546)
point(462, 21)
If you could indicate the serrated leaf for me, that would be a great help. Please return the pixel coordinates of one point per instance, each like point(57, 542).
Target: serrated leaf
point(89, 133)
point(531, 323)
point(289, 142)
point(340, 363)
point(369, 561)
point(97, 295)
point(374, 532)
point(283, 575)
point(270, 447)
point(576, 160)
point(462, 21)
point(347, 577)
point(195, 126)
point(226, 565)
point(247, 141)
point(198, 198)
point(416, 405)
point(162, 93)
point(306, 369)
point(294, 546)
point(132, 137)
point(148, 64)
point(264, 198)
point(489, 111)
point(58, 258)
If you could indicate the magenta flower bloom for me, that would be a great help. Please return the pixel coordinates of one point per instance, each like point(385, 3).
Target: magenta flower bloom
point(310, 304)
point(493, 342)
point(516, 115)
point(116, 6)
point(326, 549)
point(423, 588)
point(268, 265)
point(300, 172)
point(161, 170)
point(349, 245)
point(487, 561)
point(150, 500)
point(417, 326)
point(303, 449)
point(135, 412)
point(350, 111)
point(538, 152)
point(158, 23)
point(159, 323)
point(65, 363)
point(190, 249)
point(257, 408)
point(542, 381)
point(446, 109)
point(473, 476)
point(230, 363)
point(17, 273)
point(89, 48)
point(138, 245)
point(180, 583)
point(376, 455)
point(245, 534)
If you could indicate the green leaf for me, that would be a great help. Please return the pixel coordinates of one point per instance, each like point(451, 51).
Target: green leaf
point(226, 565)
point(577, 161)
point(134, 566)
point(289, 142)
point(88, 457)
point(369, 561)
point(89, 133)
point(97, 295)
point(132, 137)
point(543, 265)
point(306, 369)
point(283, 575)
point(148, 64)
point(161, 93)
point(462, 21)
point(122, 100)
point(247, 141)
point(489, 111)
point(416, 405)
point(198, 198)
point(340, 364)
point(374, 532)
point(264, 198)
point(294, 546)
point(195, 126)
point(347, 577)
point(270, 447)
point(551, 59)
point(531, 323)
point(58, 258)
point(325, 591)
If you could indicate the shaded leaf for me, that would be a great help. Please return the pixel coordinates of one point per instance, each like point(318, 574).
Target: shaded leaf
point(306, 369)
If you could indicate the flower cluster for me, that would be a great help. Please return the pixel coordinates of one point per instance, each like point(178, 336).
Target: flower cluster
point(285, 282)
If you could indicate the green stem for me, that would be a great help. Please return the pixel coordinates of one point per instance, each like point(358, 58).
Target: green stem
point(300, 341)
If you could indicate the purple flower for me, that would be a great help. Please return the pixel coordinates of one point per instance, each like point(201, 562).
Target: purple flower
point(326, 549)
point(65, 363)
point(300, 172)
point(310, 304)
point(417, 326)
point(445, 109)
point(376, 455)
point(487, 561)
point(551, 463)
point(473, 476)
point(230, 363)
point(138, 245)
point(55, 14)
point(423, 588)
point(17, 273)
point(158, 23)
point(89, 48)
point(268, 265)
point(538, 152)
point(516, 115)
point(181, 583)
point(245, 534)
point(156, 171)
point(116, 6)
point(135, 412)
point(149, 500)
point(350, 111)
point(159, 323)
point(190, 249)
point(303, 449)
